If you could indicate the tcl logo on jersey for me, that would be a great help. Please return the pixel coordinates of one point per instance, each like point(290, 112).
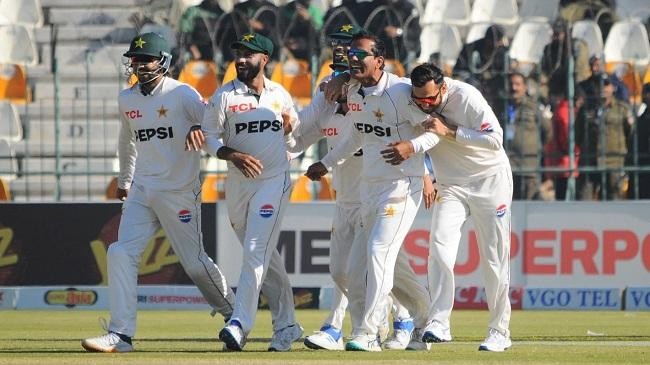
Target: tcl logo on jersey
point(330, 132)
point(355, 107)
point(258, 126)
point(379, 131)
point(133, 114)
point(241, 107)
point(142, 135)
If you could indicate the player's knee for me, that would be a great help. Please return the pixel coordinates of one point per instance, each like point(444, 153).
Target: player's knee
point(194, 270)
point(116, 251)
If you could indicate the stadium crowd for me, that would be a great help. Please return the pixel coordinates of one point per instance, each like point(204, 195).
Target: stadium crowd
point(609, 134)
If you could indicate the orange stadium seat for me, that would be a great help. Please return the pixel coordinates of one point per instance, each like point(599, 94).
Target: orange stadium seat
point(325, 70)
point(230, 74)
point(13, 84)
point(395, 67)
point(325, 192)
point(630, 77)
point(304, 190)
point(212, 188)
point(295, 76)
point(5, 194)
point(111, 189)
point(202, 75)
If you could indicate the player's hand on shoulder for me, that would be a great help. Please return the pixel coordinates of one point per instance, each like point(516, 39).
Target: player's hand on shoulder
point(436, 124)
point(316, 171)
point(194, 139)
point(247, 164)
point(398, 152)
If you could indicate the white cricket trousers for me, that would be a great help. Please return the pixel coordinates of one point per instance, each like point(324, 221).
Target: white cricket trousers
point(348, 231)
point(388, 211)
point(488, 201)
point(144, 212)
point(255, 209)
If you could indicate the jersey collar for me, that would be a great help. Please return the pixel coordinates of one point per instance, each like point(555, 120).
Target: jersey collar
point(242, 88)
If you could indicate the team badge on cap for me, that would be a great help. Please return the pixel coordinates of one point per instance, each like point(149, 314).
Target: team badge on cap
point(185, 216)
point(501, 210)
point(267, 211)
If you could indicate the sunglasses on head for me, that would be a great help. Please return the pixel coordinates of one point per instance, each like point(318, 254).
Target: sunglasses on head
point(340, 42)
point(359, 53)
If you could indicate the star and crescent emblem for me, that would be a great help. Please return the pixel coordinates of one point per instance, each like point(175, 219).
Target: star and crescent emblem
point(162, 112)
point(378, 114)
point(248, 37)
point(139, 43)
point(346, 28)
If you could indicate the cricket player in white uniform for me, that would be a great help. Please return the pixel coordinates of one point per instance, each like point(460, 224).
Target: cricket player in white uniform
point(243, 125)
point(161, 181)
point(324, 119)
point(474, 179)
point(390, 195)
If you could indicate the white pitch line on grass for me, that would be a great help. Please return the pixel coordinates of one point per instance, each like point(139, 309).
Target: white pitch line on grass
point(585, 343)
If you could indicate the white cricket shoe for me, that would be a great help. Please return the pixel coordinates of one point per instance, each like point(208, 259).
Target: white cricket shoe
point(364, 343)
point(233, 336)
point(402, 331)
point(328, 338)
point(496, 341)
point(436, 332)
point(109, 342)
point(283, 338)
point(416, 343)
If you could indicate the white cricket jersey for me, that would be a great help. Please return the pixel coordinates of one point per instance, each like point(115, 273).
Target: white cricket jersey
point(319, 119)
point(152, 136)
point(379, 119)
point(477, 151)
point(243, 121)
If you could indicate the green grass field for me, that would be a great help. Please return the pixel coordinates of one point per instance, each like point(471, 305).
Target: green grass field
point(189, 337)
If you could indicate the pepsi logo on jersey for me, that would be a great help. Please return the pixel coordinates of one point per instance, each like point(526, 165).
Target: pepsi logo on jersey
point(146, 134)
point(185, 216)
point(379, 131)
point(267, 210)
point(501, 210)
point(258, 126)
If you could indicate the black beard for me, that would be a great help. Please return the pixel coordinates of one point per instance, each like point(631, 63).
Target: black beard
point(249, 74)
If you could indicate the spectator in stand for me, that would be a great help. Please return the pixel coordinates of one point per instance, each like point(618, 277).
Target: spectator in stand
point(525, 132)
point(555, 60)
point(392, 20)
point(643, 145)
point(260, 16)
point(300, 24)
point(197, 27)
point(556, 151)
point(484, 60)
point(350, 11)
point(593, 86)
point(602, 130)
